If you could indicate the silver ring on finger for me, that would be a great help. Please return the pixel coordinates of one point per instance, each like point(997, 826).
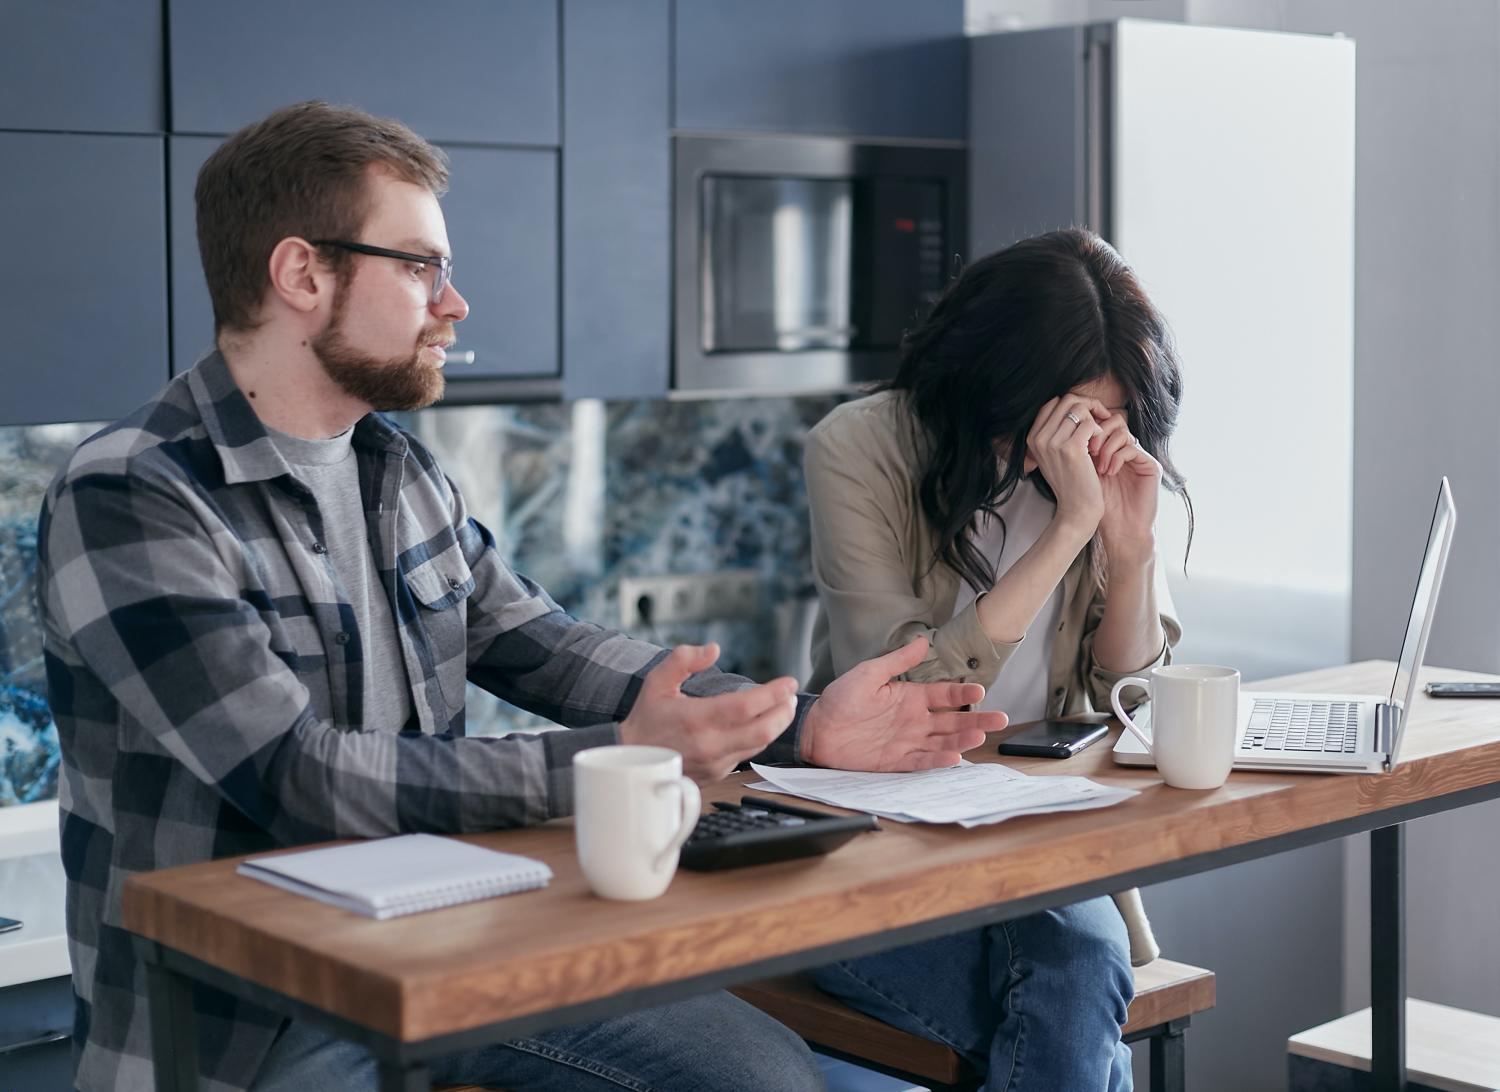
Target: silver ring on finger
point(1071, 416)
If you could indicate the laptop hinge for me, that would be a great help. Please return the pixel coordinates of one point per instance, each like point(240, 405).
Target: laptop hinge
point(1387, 723)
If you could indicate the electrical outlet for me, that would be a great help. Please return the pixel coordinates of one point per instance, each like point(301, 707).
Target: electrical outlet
point(689, 597)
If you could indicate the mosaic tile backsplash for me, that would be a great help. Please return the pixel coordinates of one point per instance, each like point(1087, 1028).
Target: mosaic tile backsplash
point(589, 492)
point(29, 457)
point(578, 495)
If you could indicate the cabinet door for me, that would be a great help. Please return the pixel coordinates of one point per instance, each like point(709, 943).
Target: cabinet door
point(35, 1018)
point(85, 288)
point(863, 67)
point(617, 189)
point(501, 210)
point(459, 70)
point(89, 65)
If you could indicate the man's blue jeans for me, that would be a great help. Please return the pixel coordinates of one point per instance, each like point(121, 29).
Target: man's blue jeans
point(1034, 1004)
point(714, 1043)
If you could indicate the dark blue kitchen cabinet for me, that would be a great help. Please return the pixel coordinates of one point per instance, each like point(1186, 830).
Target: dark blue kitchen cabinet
point(501, 211)
point(616, 203)
point(35, 1021)
point(82, 65)
point(85, 286)
point(888, 68)
point(483, 71)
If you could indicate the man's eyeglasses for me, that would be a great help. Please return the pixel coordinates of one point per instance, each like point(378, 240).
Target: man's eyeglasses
point(443, 265)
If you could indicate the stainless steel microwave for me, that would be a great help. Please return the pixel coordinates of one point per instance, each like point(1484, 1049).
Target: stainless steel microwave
point(799, 261)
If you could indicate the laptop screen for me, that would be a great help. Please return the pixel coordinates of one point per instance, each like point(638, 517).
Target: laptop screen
point(1419, 625)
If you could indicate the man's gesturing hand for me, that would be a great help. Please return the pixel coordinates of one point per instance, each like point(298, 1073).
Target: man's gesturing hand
point(713, 734)
point(865, 720)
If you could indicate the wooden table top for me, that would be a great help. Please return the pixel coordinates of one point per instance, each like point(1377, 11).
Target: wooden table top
point(448, 970)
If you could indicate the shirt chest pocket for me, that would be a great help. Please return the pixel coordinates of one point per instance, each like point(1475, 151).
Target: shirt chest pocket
point(441, 588)
point(296, 642)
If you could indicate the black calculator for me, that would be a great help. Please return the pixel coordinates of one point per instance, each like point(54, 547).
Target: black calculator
point(757, 830)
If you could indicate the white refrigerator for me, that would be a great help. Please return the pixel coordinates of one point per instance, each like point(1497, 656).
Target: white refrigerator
point(1220, 163)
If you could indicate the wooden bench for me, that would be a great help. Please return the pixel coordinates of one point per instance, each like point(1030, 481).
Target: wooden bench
point(1167, 995)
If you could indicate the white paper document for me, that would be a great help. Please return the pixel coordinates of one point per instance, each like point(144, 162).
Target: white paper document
point(969, 794)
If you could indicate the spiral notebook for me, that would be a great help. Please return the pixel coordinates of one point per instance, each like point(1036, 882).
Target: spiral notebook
point(388, 877)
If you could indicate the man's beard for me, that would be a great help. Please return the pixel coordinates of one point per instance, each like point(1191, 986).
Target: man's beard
point(407, 382)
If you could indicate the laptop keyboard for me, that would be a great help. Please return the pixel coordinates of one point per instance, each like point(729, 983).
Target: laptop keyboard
point(1282, 725)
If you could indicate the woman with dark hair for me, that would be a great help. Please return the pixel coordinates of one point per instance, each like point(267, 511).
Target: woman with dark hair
point(999, 498)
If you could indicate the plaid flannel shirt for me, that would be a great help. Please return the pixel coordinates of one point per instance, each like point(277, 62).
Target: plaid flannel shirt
point(204, 671)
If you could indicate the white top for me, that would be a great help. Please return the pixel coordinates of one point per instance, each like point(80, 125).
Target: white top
point(1021, 689)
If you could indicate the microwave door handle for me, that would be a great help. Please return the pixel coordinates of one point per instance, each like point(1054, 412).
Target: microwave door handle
point(841, 331)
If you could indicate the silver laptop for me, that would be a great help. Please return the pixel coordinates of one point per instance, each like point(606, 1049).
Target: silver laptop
point(1335, 733)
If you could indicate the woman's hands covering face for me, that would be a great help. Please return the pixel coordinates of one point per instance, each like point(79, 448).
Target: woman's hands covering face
point(1102, 478)
point(1130, 480)
point(1060, 441)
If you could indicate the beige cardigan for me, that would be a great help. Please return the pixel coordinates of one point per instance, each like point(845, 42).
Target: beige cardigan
point(872, 551)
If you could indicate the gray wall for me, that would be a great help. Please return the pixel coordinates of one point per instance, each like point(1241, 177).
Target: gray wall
point(1425, 390)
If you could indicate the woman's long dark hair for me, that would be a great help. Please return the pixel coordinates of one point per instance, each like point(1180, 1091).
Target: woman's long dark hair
point(1015, 329)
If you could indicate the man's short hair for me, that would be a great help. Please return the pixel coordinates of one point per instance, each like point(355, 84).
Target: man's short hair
point(301, 171)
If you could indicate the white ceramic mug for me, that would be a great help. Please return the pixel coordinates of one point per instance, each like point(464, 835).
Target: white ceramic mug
point(1194, 718)
point(633, 810)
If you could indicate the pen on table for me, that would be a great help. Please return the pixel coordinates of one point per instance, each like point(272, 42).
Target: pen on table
point(770, 805)
point(767, 804)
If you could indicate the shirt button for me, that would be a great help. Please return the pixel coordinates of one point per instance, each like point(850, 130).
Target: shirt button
point(453, 582)
point(319, 548)
point(341, 638)
point(973, 662)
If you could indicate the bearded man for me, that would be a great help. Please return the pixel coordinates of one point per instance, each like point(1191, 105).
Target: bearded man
point(262, 601)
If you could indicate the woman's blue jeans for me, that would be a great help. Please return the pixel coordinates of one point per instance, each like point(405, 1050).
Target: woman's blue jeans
point(1033, 1004)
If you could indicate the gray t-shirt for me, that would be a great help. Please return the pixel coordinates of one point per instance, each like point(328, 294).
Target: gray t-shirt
point(330, 470)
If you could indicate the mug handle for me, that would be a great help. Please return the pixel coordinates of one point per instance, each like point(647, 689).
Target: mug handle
point(1124, 718)
point(692, 805)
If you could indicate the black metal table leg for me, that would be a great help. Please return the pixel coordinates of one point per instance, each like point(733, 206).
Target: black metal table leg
point(1388, 959)
point(395, 1077)
point(1169, 1058)
point(174, 1041)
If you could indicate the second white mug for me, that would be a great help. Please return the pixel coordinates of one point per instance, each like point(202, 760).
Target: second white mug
point(633, 809)
point(1194, 721)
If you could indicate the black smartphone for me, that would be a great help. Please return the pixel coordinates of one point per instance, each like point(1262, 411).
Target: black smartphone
point(1052, 739)
point(1463, 689)
point(8, 925)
